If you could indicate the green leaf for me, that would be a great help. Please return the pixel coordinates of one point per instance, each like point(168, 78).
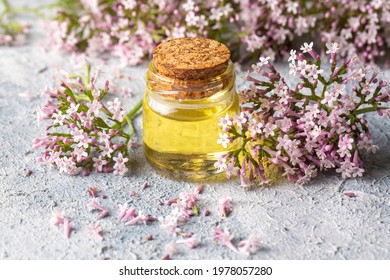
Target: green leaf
point(99, 122)
point(195, 210)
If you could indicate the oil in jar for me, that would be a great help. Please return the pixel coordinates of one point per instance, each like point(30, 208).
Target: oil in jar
point(182, 107)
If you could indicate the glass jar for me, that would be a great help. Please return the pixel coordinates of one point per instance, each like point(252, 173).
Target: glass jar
point(180, 122)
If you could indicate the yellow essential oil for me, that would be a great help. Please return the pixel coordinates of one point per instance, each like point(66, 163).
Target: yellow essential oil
point(180, 122)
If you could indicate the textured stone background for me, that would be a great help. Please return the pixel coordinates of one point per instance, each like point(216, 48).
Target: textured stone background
point(312, 222)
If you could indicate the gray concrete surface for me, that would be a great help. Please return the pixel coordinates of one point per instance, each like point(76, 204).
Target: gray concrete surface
point(294, 222)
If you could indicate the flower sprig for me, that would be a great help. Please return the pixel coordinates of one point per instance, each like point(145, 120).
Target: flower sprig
point(317, 124)
point(85, 133)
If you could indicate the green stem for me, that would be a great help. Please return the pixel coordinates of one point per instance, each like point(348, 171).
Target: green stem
point(134, 111)
point(129, 116)
point(369, 109)
point(82, 97)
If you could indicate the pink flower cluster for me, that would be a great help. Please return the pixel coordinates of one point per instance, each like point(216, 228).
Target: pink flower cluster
point(84, 133)
point(128, 215)
point(247, 247)
point(58, 218)
point(131, 29)
point(360, 26)
point(184, 206)
point(316, 124)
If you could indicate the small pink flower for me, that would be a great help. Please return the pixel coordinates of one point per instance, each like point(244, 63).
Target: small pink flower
point(171, 201)
point(99, 163)
point(191, 242)
point(95, 229)
point(144, 185)
point(307, 47)
point(103, 214)
point(250, 246)
point(93, 191)
point(225, 207)
point(224, 237)
point(95, 205)
point(140, 218)
point(57, 217)
point(199, 189)
point(122, 210)
point(129, 214)
point(169, 224)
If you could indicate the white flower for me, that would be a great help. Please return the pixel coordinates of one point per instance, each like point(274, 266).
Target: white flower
point(307, 47)
point(225, 122)
point(59, 118)
point(231, 169)
point(263, 61)
point(250, 246)
point(72, 108)
point(189, 5)
point(293, 56)
point(114, 105)
point(220, 164)
point(332, 47)
point(223, 140)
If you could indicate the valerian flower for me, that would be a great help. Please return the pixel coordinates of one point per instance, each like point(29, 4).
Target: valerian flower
point(83, 133)
point(250, 246)
point(94, 205)
point(184, 207)
point(224, 207)
point(59, 218)
point(95, 229)
point(191, 242)
point(224, 237)
point(318, 124)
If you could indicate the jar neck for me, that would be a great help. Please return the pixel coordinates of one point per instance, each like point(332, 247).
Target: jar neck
point(214, 89)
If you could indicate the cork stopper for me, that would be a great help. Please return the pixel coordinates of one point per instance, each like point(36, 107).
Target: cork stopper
point(191, 58)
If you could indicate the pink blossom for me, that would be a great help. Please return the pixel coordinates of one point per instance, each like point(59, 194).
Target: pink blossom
point(250, 246)
point(224, 140)
point(79, 153)
point(307, 47)
point(99, 163)
point(94, 205)
point(140, 218)
point(144, 185)
point(59, 118)
point(224, 207)
point(103, 214)
point(220, 164)
point(191, 242)
point(224, 237)
point(95, 229)
point(169, 224)
point(231, 170)
point(332, 47)
point(57, 217)
point(93, 191)
point(225, 122)
point(122, 210)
